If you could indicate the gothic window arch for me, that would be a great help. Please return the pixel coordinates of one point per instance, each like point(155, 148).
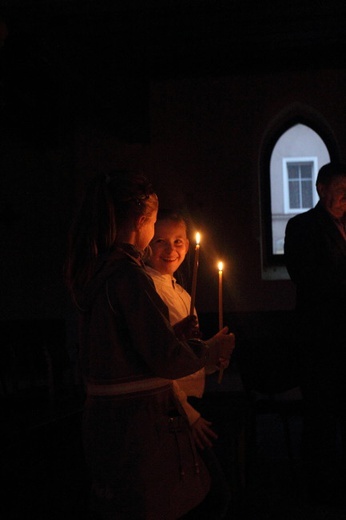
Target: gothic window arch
point(295, 148)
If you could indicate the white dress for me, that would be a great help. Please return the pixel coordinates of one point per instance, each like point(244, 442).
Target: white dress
point(178, 302)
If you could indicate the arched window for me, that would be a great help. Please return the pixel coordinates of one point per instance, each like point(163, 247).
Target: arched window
point(293, 153)
point(295, 160)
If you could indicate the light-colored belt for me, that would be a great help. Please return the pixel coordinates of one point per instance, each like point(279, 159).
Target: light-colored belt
point(131, 387)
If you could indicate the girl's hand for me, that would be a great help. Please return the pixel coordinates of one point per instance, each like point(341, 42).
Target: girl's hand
point(223, 363)
point(202, 433)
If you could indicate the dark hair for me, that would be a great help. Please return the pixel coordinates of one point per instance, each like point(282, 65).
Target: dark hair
point(330, 171)
point(110, 202)
point(174, 215)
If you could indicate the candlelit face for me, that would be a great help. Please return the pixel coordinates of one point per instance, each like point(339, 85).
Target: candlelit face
point(169, 246)
point(333, 196)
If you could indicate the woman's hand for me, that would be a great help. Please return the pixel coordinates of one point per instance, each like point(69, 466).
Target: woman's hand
point(221, 347)
point(202, 433)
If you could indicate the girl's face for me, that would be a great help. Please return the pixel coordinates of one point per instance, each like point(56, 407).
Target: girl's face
point(169, 246)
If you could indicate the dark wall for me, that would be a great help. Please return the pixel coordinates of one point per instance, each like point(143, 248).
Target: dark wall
point(83, 92)
point(206, 143)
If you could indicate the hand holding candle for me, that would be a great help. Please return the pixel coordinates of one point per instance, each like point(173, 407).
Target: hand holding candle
point(221, 348)
point(194, 274)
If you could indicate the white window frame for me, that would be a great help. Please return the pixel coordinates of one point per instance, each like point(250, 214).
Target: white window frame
point(286, 160)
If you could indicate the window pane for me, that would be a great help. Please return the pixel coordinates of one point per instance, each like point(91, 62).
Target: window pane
point(307, 201)
point(306, 171)
point(294, 197)
point(293, 171)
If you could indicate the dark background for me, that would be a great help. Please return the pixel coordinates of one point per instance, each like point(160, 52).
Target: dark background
point(193, 92)
point(190, 92)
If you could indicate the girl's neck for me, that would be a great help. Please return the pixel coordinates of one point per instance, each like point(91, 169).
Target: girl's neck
point(126, 237)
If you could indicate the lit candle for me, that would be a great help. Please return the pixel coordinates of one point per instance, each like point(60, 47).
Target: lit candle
point(220, 267)
point(194, 274)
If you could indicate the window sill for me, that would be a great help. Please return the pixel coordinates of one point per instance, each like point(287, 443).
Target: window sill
point(275, 272)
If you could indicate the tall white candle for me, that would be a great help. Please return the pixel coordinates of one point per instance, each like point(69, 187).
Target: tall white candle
point(220, 267)
point(194, 274)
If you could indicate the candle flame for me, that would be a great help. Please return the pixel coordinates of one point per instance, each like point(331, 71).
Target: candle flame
point(220, 266)
point(198, 238)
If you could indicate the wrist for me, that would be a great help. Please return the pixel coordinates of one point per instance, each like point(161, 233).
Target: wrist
point(213, 351)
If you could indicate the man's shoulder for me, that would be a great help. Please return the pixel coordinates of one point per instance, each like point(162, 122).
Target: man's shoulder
point(312, 215)
point(303, 218)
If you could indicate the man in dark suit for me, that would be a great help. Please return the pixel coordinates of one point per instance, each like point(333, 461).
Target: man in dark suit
point(315, 254)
